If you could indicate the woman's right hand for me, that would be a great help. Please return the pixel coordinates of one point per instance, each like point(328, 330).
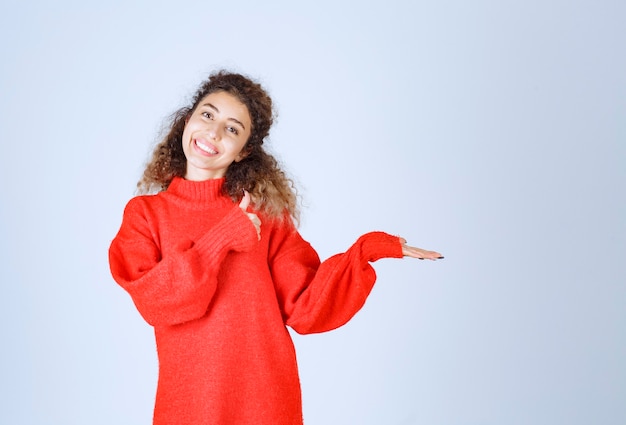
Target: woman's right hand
point(245, 202)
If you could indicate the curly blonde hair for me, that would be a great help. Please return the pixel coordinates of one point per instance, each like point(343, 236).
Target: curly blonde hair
point(259, 173)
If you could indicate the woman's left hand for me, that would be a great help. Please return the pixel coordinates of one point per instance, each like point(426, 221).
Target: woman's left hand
point(422, 254)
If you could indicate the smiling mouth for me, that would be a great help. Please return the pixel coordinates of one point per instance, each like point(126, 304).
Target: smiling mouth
point(205, 148)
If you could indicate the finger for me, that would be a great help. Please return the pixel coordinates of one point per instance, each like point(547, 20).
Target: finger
point(245, 201)
point(256, 221)
point(431, 255)
point(422, 254)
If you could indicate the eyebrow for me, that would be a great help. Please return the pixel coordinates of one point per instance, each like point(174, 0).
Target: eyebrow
point(210, 105)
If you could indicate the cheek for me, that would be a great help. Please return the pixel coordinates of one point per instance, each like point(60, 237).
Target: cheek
point(186, 129)
point(186, 135)
point(184, 142)
point(244, 148)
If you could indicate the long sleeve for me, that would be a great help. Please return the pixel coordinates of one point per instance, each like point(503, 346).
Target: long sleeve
point(317, 297)
point(175, 286)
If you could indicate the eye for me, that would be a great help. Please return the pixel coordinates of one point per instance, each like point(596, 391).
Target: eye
point(232, 130)
point(207, 114)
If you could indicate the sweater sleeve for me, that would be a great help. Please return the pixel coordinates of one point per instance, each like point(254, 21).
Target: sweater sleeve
point(179, 286)
point(318, 297)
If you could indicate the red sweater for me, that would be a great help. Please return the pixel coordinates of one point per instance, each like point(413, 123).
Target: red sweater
point(219, 301)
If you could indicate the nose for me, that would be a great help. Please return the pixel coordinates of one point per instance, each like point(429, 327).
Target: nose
point(214, 132)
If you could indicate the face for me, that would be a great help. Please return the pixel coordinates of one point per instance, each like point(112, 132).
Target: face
point(215, 135)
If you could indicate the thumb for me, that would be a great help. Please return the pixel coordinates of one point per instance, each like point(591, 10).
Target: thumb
point(245, 201)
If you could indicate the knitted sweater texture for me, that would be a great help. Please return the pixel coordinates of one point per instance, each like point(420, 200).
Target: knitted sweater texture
point(219, 300)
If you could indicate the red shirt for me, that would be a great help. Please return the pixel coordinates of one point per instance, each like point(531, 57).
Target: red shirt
point(220, 300)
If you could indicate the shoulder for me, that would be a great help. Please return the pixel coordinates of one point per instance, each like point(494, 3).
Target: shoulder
point(139, 201)
point(281, 224)
point(284, 236)
point(144, 204)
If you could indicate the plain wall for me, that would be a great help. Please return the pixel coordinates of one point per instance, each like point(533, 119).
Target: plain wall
point(491, 131)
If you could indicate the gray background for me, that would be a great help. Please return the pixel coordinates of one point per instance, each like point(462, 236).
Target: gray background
point(491, 131)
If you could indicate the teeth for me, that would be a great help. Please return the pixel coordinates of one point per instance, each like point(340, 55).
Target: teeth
point(205, 148)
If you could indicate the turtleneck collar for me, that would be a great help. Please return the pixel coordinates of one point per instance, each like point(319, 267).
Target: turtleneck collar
point(198, 191)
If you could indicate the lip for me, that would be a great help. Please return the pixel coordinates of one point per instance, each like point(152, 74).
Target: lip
point(201, 151)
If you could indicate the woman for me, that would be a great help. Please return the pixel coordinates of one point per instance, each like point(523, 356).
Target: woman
point(214, 262)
